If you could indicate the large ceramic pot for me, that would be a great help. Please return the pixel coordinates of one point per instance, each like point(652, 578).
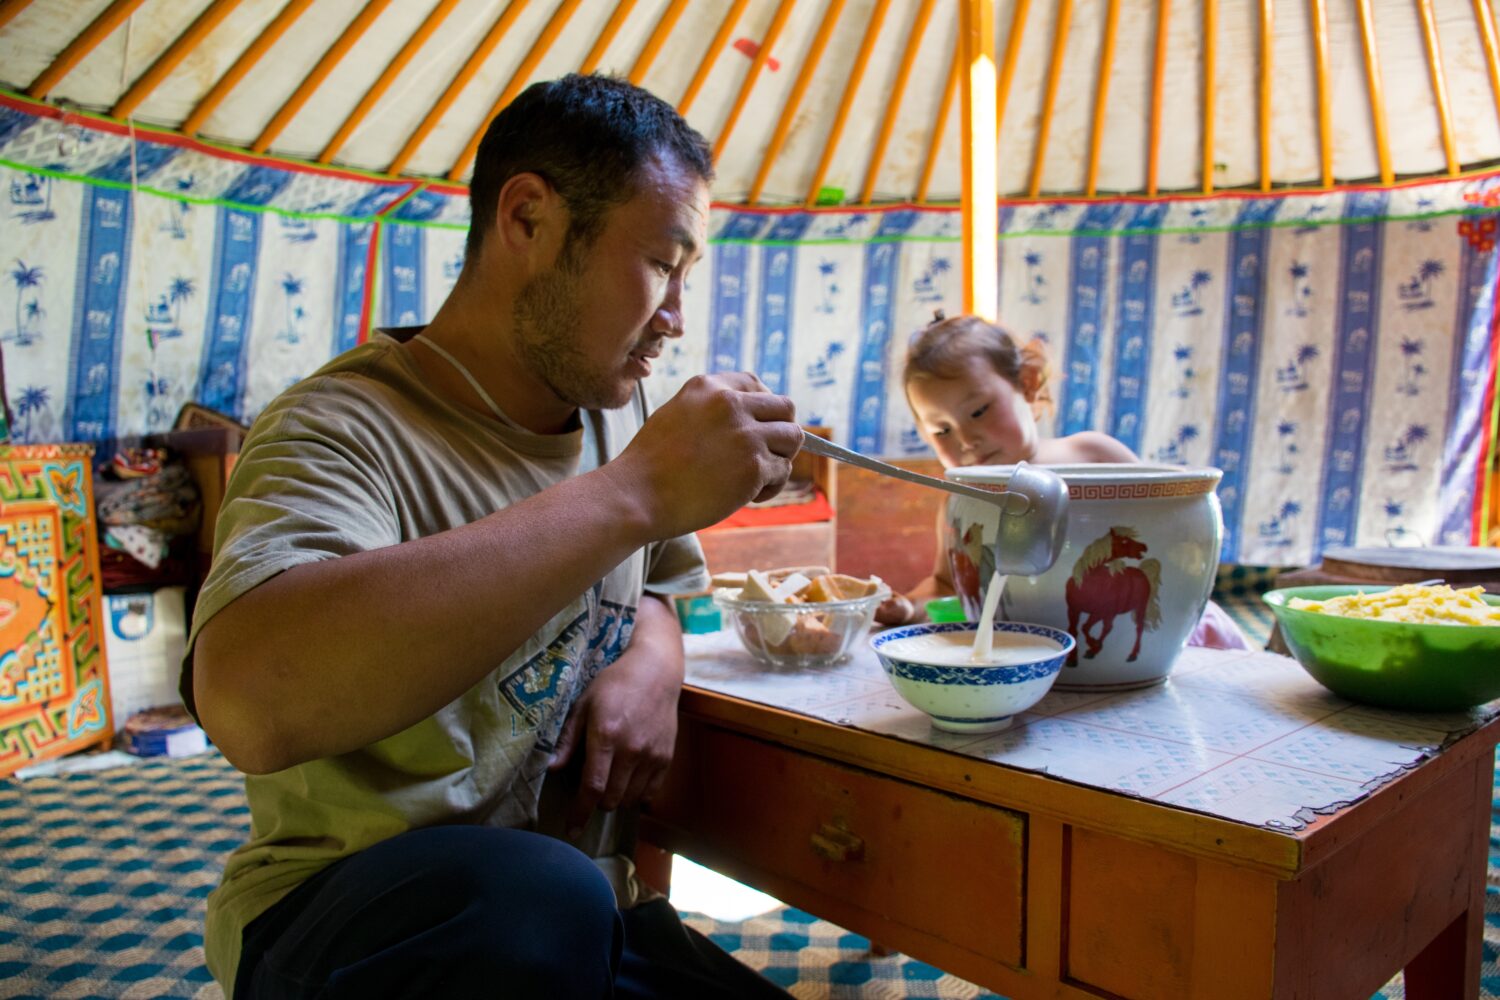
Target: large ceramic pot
point(1135, 572)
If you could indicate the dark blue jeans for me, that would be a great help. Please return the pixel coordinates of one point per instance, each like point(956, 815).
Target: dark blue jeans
point(468, 911)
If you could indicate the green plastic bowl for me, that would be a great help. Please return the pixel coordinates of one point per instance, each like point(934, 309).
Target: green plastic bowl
point(1416, 668)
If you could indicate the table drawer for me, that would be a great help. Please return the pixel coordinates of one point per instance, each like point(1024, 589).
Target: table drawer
point(876, 843)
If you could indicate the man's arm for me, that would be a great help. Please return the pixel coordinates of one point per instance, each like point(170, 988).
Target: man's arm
point(332, 656)
point(627, 719)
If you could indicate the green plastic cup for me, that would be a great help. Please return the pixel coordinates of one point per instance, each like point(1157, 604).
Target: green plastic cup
point(946, 609)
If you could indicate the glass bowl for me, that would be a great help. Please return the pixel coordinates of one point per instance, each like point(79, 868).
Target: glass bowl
point(800, 635)
point(1401, 665)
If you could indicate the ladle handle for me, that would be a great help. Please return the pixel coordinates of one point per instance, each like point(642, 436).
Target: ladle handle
point(826, 448)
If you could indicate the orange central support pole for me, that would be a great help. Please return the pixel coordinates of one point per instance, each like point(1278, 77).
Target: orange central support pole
point(981, 184)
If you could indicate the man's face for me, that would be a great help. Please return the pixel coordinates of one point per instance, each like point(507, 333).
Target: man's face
point(589, 327)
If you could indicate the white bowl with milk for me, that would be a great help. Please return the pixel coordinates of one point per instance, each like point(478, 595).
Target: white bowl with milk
point(932, 667)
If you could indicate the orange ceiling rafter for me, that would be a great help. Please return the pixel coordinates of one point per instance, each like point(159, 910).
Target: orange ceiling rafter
point(1158, 77)
point(1049, 98)
point(611, 29)
point(179, 50)
point(98, 30)
point(893, 105)
point(944, 110)
point(1439, 83)
point(252, 55)
point(1484, 18)
point(1101, 94)
point(857, 74)
point(320, 72)
point(1210, 65)
point(388, 76)
point(658, 37)
point(518, 80)
point(1325, 94)
point(1267, 40)
point(460, 80)
point(10, 8)
point(1377, 89)
point(1008, 63)
point(762, 53)
point(794, 99)
point(721, 39)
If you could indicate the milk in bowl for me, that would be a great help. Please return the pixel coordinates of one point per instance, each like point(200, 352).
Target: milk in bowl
point(933, 667)
point(1135, 572)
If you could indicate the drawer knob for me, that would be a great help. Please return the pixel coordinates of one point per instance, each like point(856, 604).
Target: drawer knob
point(837, 844)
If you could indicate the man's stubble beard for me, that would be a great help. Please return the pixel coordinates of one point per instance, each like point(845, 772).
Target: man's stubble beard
point(546, 316)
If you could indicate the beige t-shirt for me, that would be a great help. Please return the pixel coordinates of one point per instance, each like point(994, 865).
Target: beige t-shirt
point(361, 455)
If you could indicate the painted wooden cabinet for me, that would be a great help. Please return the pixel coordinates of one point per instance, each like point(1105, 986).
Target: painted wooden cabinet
point(54, 685)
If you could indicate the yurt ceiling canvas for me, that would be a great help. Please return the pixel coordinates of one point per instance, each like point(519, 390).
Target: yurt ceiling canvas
point(850, 101)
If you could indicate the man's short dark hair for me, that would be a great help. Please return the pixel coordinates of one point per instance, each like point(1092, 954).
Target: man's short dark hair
point(588, 136)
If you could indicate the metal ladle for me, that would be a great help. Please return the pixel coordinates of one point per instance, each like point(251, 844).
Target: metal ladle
point(1033, 506)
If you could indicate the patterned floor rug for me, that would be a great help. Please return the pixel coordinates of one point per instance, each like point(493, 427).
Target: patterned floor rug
point(103, 878)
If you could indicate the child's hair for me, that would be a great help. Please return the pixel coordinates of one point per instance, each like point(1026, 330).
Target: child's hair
point(941, 348)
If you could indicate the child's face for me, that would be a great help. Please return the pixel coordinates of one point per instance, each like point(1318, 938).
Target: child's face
point(975, 418)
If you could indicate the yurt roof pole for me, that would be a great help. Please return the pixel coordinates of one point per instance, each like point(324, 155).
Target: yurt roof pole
point(653, 44)
point(794, 99)
point(955, 66)
point(601, 44)
point(1210, 54)
point(101, 28)
point(1325, 113)
point(1158, 75)
point(387, 77)
point(244, 64)
point(1439, 83)
point(10, 8)
point(981, 182)
point(893, 105)
point(1049, 96)
point(168, 61)
point(1377, 90)
point(1485, 19)
point(518, 80)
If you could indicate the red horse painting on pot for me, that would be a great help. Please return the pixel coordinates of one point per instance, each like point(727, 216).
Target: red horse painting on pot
point(1105, 585)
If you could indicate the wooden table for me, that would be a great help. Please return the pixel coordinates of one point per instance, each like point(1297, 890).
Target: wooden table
point(1036, 886)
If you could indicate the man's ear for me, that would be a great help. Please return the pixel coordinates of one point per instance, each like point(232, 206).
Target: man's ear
point(530, 217)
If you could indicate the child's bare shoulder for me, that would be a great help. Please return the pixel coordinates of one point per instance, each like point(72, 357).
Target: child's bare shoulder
point(1082, 448)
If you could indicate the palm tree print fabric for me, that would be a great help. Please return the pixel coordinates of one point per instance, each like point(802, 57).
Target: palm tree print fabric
point(1331, 352)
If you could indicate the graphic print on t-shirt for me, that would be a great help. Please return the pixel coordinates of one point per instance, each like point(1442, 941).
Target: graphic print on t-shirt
point(542, 689)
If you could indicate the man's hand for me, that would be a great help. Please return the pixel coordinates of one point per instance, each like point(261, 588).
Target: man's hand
point(627, 719)
point(721, 442)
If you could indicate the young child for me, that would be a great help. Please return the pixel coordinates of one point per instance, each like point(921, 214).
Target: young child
point(975, 395)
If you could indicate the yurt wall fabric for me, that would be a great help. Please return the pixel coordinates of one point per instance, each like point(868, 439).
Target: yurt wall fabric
point(1333, 353)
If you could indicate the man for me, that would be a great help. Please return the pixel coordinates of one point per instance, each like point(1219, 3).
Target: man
point(436, 581)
